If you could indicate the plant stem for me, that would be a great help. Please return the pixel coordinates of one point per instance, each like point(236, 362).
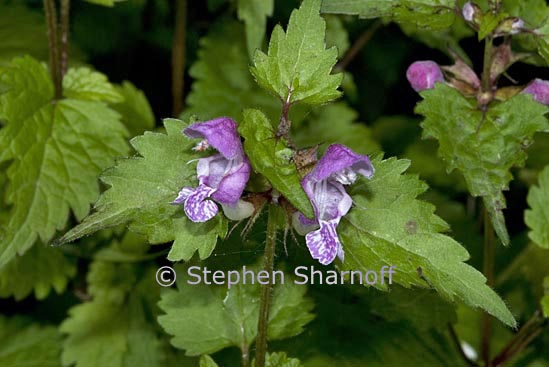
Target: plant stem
point(245, 355)
point(265, 300)
point(64, 39)
point(486, 80)
point(178, 56)
point(360, 42)
point(53, 44)
point(488, 270)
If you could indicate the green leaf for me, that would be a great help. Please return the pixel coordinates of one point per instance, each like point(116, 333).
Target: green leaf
point(205, 319)
point(336, 34)
point(225, 88)
point(271, 157)
point(137, 114)
point(41, 269)
point(23, 344)
point(435, 14)
point(84, 83)
point(297, 66)
point(116, 328)
point(28, 25)
point(109, 3)
point(390, 226)
point(54, 152)
point(141, 190)
point(280, 359)
point(545, 299)
point(537, 217)
point(336, 123)
point(207, 361)
point(484, 157)
point(254, 14)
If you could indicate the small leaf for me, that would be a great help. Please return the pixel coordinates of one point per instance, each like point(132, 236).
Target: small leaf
point(489, 23)
point(280, 359)
point(297, 66)
point(537, 217)
point(205, 319)
point(435, 14)
point(484, 157)
point(84, 83)
point(142, 189)
point(254, 13)
point(25, 344)
point(389, 226)
point(55, 153)
point(266, 154)
point(207, 361)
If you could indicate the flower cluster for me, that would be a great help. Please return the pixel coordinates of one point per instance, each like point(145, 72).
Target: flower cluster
point(222, 178)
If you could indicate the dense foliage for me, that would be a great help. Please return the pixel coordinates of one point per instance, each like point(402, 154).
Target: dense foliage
point(249, 135)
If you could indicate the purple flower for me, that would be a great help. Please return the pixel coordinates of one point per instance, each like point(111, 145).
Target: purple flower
point(539, 89)
point(423, 75)
point(468, 11)
point(325, 188)
point(221, 177)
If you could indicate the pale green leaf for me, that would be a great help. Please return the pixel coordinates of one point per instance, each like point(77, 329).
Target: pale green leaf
point(205, 319)
point(537, 217)
point(54, 152)
point(207, 361)
point(23, 344)
point(483, 150)
point(136, 112)
point(142, 189)
point(389, 226)
point(271, 157)
point(436, 14)
point(86, 84)
point(298, 66)
point(254, 14)
point(40, 270)
point(116, 328)
point(280, 359)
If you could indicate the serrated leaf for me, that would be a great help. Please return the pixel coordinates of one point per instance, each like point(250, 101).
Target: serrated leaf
point(40, 270)
point(84, 83)
point(435, 14)
point(205, 319)
point(271, 157)
point(24, 344)
point(390, 226)
point(254, 14)
point(54, 153)
point(225, 88)
point(280, 359)
point(336, 123)
point(136, 112)
point(141, 190)
point(537, 217)
point(207, 361)
point(297, 66)
point(484, 157)
point(116, 327)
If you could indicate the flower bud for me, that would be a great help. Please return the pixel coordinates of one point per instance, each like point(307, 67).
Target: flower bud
point(469, 11)
point(539, 89)
point(423, 75)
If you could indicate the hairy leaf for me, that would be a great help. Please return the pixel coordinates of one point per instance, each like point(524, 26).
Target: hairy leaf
point(297, 66)
point(141, 190)
point(41, 269)
point(84, 83)
point(537, 217)
point(271, 157)
point(205, 319)
point(23, 344)
point(389, 226)
point(482, 149)
point(436, 14)
point(254, 13)
point(55, 152)
point(114, 328)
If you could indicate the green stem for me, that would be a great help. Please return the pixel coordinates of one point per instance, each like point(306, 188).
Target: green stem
point(178, 56)
point(488, 270)
point(64, 39)
point(53, 44)
point(486, 80)
point(265, 300)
